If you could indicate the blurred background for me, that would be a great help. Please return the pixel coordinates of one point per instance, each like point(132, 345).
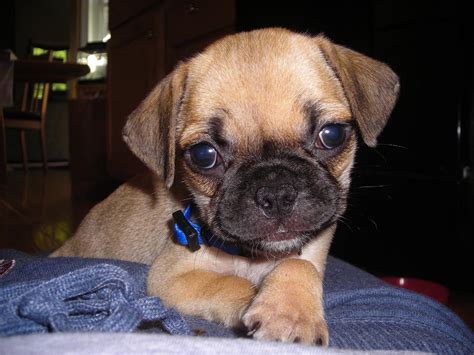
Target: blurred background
point(410, 210)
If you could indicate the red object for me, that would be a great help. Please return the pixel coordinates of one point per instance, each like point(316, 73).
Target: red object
point(431, 289)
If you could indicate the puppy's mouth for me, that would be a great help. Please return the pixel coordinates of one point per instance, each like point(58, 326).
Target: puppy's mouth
point(267, 238)
point(285, 242)
point(281, 241)
point(281, 234)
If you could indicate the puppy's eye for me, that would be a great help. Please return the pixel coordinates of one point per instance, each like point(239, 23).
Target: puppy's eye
point(331, 136)
point(203, 155)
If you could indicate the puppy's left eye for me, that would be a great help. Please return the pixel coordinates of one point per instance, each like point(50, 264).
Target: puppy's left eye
point(203, 155)
point(331, 136)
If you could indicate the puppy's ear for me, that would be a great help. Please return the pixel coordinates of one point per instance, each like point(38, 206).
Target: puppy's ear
point(151, 129)
point(370, 86)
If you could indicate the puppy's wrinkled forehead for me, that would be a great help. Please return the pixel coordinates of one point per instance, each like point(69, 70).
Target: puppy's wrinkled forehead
point(263, 86)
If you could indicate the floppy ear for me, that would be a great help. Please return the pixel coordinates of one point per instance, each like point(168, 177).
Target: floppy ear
point(150, 129)
point(370, 86)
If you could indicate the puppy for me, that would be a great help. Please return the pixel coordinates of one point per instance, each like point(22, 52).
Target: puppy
point(258, 135)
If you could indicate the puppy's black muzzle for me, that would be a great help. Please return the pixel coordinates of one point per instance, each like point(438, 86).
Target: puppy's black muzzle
point(278, 198)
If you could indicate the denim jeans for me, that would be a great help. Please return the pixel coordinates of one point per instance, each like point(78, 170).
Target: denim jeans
point(77, 294)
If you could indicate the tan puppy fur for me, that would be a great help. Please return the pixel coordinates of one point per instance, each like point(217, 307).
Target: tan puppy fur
point(260, 100)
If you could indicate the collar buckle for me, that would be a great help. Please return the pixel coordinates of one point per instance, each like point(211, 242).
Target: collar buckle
point(190, 234)
point(185, 232)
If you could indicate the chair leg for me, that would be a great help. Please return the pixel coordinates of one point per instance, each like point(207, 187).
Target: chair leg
point(43, 150)
point(24, 153)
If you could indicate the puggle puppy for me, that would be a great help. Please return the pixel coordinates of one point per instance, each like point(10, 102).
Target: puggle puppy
point(257, 134)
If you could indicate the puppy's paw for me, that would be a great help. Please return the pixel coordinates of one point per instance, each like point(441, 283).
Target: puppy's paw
point(271, 320)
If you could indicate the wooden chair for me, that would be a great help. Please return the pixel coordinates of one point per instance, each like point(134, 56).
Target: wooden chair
point(32, 113)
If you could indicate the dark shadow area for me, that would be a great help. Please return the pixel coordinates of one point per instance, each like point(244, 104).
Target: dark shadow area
point(411, 201)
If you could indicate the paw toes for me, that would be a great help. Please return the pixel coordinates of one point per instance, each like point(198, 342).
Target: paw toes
point(262, 322)
point(322, 337)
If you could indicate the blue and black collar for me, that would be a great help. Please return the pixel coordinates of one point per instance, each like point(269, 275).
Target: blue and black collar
point(190, 234)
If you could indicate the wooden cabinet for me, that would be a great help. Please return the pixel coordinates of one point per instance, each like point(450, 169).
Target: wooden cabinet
point(134, 67)
point(87, 120)
point(148, 39)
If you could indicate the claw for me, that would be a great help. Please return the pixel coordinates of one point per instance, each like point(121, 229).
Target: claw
point(255, 326)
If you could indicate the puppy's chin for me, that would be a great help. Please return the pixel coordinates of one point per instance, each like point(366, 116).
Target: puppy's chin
point(277, 245)
point(271, 245)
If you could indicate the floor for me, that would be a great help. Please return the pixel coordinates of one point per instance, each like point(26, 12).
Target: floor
point(38, 213)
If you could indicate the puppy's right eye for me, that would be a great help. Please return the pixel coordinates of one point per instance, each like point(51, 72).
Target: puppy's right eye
point(204, 155)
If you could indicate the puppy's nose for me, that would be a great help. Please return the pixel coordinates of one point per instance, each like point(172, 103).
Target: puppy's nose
point(276, 201)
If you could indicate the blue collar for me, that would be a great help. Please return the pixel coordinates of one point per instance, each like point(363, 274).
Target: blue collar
point(190, 234)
